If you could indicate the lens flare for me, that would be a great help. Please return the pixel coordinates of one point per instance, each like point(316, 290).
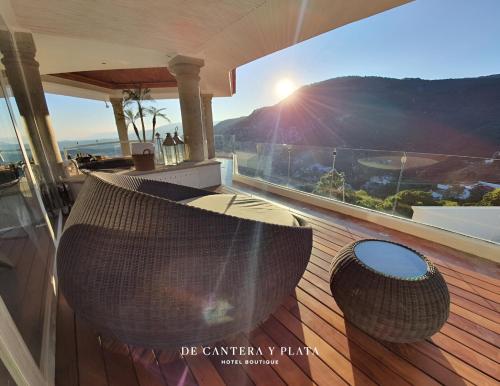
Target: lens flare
point(284, 88)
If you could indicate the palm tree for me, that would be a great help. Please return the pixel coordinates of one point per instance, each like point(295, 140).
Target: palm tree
point(136, 97)
point(130, 118)
point(156, 113)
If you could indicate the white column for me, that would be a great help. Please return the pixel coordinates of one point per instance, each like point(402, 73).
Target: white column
point(208, 123)
point(187, 72)
point(121, 126)
point(24, 78)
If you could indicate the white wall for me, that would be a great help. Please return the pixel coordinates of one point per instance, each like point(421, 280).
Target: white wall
point(477, 221)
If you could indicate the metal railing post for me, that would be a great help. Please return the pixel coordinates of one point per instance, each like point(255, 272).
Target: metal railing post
point(333, 170)
point(289, 148)
point(343, 186)
point(258, 149)
point(403, 162)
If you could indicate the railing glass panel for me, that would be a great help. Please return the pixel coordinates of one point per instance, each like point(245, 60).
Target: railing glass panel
point(109, 149)
point(457, 193)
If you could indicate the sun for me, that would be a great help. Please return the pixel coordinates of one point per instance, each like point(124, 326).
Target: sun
point(284, 87)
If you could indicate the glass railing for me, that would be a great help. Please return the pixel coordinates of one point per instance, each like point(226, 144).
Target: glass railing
point(108, 149)
point(224, 145)
point(394, 182)
point(95, 155)
point(9, 154)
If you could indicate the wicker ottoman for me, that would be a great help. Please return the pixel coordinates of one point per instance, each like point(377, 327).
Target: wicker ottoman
point(390, 291)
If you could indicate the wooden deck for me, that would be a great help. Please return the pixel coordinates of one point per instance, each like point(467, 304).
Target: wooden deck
point(465, 351)
point(23, 287)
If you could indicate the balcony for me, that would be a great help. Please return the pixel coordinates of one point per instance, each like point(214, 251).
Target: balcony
point(44, 342)
point(464, 351)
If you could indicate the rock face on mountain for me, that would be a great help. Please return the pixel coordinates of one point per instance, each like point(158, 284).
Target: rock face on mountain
point(450, 116)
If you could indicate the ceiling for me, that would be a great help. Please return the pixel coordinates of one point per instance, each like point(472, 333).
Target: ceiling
point(120, 79)
point(84, 35)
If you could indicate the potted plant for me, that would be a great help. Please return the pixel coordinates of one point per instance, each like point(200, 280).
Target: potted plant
point(135, 110)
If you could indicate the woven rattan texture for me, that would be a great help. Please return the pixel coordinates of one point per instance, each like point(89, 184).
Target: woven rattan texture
point(151, 272)
point(388, 308)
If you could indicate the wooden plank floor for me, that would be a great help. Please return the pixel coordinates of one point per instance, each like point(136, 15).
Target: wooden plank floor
point(23, 287)
point(465, 351)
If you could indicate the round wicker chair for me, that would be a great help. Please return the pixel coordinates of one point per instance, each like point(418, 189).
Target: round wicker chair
point(152, 272)
point(387, 307)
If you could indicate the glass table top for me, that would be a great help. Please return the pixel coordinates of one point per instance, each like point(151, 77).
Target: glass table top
point(390, 259)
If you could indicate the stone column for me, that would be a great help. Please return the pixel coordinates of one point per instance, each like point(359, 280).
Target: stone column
point(24, 78)
point(121, 126)
point(208, 123)
point(187, 72)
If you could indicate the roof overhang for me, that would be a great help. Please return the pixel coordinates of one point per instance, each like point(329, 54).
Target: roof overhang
point(80, 35)
point(106, 84)
point(103, 84)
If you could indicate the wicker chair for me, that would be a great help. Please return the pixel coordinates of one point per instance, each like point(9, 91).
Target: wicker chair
point(152, 272)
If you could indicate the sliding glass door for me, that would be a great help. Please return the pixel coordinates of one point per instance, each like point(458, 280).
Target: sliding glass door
point(27, 250)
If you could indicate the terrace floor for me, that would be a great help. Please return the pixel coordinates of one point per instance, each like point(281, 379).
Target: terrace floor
point(465, 351)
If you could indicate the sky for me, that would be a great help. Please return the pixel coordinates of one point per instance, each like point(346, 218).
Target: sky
point(429, 39)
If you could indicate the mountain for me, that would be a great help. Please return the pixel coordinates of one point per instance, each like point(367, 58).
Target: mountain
point(223, 126)
point(449, 116)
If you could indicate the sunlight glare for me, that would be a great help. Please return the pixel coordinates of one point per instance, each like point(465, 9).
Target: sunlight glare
point(284, 88)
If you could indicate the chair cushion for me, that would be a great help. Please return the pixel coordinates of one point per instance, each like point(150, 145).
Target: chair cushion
point(246, 207)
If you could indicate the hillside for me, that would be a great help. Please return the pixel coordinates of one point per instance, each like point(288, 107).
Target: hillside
point(223, 126)
point(450, 116)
